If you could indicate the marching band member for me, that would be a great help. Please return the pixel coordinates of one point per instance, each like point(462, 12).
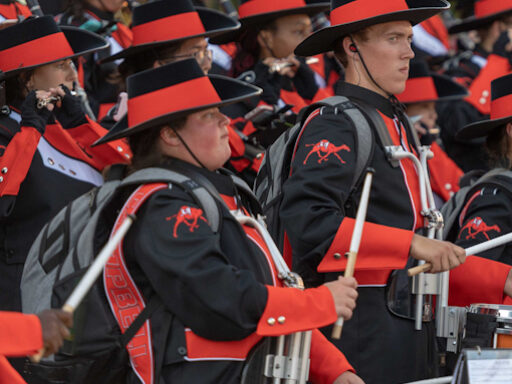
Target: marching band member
point(486, 214)
point(168, 31)
point(423, 90)
point(100, 81)
point(45, 155)
point(491, 59)
point(270, 32)
point(183, 36)
point(220, 290)
point(373, 41)
point(22, 335)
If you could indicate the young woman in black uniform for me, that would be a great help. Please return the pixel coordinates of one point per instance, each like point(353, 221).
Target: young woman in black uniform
point(220, 290)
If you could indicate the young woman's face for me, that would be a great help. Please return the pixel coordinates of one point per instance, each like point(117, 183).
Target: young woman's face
point(52, 75)
point(196, 48)
point(206, 134)
point(289, 32)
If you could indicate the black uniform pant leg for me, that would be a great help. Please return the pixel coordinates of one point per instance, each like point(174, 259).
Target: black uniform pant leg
point(384, 348)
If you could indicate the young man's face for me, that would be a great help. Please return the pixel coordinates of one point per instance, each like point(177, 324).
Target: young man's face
point(386, 53)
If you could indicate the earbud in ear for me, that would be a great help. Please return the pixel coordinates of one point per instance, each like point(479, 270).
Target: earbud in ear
point(352, 47)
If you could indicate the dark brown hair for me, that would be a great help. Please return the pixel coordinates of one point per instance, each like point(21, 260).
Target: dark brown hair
point(16, 88)
point(144, 145)
point(249, 49)
point(498, 148)
point(145, 60)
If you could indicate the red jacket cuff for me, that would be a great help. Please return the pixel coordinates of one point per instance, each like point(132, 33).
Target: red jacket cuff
point(291, 310)
point(478, 280)
point(20, 334)
point(382, 248)
point(327, 361)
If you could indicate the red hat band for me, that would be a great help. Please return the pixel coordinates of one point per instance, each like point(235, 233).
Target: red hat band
point(189, 94)
point(365, 9)
point(30, 53)
point(500, 108)
point(486, 8)
point(418, 89)
point(257, 7)
point(168, 28)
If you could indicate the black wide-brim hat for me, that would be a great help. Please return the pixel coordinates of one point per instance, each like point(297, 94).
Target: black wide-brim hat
point(162, 94)
point(164, 22)
point(486, 12)
point(254, 13)
point(350, 16)
point(501, 111)
point(424, 86)
point(39, 41)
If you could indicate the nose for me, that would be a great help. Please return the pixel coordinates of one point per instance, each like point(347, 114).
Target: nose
point(408, 53)
point(72, 73)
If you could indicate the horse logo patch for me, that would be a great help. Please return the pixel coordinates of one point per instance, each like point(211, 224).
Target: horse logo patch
point(476, 226)
point(324, 149)
point(189, 216)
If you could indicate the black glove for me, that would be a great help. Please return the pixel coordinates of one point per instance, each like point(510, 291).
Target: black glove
point(70, 114)
point(500, 47)
point(31, 116)
point(269, 82)
point(304, 81)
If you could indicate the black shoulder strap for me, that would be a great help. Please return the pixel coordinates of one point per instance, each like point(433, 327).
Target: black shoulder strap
point(146, 313)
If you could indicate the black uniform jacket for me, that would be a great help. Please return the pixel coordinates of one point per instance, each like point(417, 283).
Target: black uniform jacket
point(38, 176)
point(218, 291)
point(486, 216)
point(317, 205)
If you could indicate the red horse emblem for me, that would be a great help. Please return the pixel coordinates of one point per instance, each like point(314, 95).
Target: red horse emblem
point(478, 225)
point(188, 216)
point(324, 149)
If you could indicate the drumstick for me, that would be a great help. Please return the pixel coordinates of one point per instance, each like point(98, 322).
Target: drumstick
point(482, 247)
point(92, 274)
point(355, 241)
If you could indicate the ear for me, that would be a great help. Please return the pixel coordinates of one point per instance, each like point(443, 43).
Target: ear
point(347, 44)
point(509, 130)
point(168, 137)
point(265, 39)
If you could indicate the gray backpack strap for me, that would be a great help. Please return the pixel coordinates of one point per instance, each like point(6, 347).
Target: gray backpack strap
point(205, 199)
point(380, 128)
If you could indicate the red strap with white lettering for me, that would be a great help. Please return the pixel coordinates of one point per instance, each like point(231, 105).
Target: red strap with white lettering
point(124, 298)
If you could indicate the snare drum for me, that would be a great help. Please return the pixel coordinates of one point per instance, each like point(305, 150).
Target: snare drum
point(489, 325)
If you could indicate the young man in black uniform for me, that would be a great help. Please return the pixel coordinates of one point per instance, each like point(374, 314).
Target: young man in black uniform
point(373, 41)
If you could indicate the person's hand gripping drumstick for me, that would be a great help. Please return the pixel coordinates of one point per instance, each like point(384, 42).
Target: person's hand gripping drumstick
point(475, 250)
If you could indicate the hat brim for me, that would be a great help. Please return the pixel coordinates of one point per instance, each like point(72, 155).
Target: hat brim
point(446, 89)
point(81, 42)
point(472, 23)
point(251, 21)
point(481, 128)
point(229, 90)
point(323, 40)
point(215, 23)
